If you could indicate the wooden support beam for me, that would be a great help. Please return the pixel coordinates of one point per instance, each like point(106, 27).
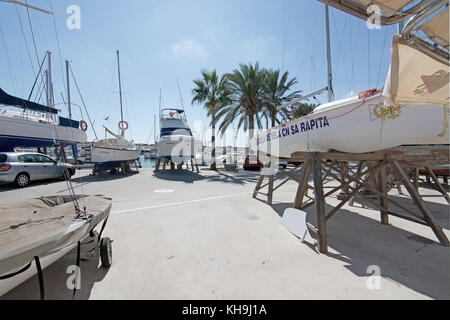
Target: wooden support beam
point(303, 185)
point(341, 204)
point(383, 202)
point(416, 178)
point(358, 172)
point(270, 191)
point(428, 217)
point(258, 185)
point(439, 186)
point(320, 202)
point(387, 197)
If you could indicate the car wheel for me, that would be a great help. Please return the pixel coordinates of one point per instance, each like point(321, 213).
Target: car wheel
point(22, 180)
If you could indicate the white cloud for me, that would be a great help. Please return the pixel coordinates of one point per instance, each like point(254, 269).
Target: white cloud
point(188, 48)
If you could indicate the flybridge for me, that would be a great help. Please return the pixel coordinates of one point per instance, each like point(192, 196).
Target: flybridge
point(295, 129)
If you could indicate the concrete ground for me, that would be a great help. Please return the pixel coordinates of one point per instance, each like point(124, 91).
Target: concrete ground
point(202, 236)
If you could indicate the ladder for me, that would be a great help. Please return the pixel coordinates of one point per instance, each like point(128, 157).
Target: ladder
point(87, 153)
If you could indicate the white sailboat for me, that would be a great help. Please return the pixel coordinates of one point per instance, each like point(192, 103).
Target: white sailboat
point(113, 152)
point(37, 125)
point(411, 110)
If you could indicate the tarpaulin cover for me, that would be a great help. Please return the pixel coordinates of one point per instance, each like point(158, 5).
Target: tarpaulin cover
point(415, 77)
point(21, 103)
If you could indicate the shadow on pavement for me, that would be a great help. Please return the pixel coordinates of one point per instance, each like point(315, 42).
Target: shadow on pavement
point(405, 258)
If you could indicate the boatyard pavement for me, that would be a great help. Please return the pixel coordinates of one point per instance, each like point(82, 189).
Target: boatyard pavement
point(203, 236)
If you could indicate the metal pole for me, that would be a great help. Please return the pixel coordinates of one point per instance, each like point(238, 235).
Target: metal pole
point(68, 90)
point(400, 27)
point(329, 72)
point(122, 132)
point(49, 80)
point(47, 93)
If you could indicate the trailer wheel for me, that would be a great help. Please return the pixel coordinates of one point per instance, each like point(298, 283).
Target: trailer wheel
point(106, 252)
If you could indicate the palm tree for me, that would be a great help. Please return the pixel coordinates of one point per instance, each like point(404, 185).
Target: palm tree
point(297, 111)
point(276, 93)
point(213, 93)
point(247, 87)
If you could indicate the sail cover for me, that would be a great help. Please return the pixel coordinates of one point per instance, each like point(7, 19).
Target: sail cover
point(10, 100)
point(437, 28)
point(415, 77)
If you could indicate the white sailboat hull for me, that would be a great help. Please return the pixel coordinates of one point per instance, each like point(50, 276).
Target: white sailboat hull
point(356, 126)
point(104, 155)
point(26, 133)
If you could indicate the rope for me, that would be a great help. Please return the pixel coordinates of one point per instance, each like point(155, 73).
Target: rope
point(341, 55)
point(368, 53)
point(25, 40)
point(381, 57)
point(57, 40)
point(32, 33)
point(82, 101)
point(11, 73)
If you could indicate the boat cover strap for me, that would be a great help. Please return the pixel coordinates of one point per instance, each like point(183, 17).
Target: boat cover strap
point(103, 228)
point(16, 273)
point(78, 268)
point(40, 277)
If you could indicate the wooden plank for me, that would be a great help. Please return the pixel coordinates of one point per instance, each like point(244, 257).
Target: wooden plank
point(258, 185)
point(270, 191)
point(421, 205)
point(303, 185)
point(390, 199)
point(341, 204)
point(320, 202)
point(438, 184)
point(358, 172)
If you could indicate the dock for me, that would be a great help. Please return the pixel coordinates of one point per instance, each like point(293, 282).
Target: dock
point(202, 236)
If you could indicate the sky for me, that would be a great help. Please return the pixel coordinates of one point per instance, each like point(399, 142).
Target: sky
point(162, 42)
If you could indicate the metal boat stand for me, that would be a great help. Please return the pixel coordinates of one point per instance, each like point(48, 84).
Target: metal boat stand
point(172, 166)
point(372, 174)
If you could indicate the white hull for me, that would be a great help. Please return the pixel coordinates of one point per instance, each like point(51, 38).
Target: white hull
point(26, 129)
point(104, 154)
point(356, 126)
point(176, 148)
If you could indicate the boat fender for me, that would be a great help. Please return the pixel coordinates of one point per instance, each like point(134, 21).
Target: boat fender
point(367, 93)
point(83, 125)
point(123, 125)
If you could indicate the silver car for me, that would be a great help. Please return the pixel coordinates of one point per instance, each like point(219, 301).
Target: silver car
point(22, 167)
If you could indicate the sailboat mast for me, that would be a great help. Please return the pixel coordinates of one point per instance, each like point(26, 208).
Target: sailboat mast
point(68, 90)
point(122, 132)
point(329, 71)
point(48, 79)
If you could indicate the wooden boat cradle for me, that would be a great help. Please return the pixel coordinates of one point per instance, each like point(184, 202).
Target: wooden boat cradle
point(371, 168)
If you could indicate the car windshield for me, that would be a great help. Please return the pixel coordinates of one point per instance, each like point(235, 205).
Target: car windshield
point(3, 157)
